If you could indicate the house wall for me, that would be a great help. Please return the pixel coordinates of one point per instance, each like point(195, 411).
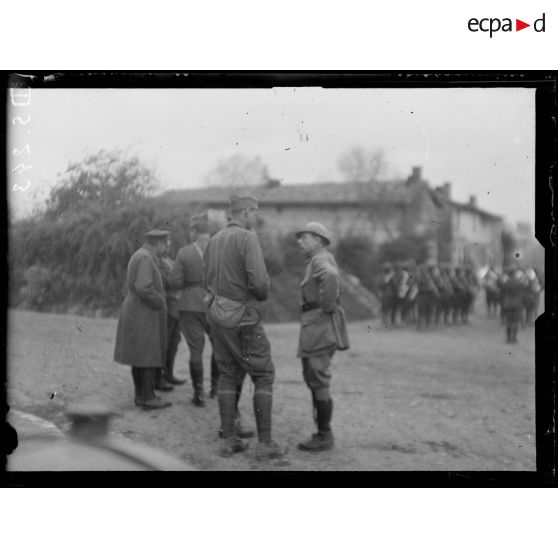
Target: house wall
point(340, 221)
point(476, 238)
point(458, 234)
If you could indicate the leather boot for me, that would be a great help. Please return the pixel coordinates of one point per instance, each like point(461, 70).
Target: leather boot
point(240, 430)
point(214, 378)
point(160, 383)
point(150, 400)
point(267, 448)
point(227, 413)
point(169, 368)
point(232, 445)
point(323, 440)
point(138, 396)
point(196, 373)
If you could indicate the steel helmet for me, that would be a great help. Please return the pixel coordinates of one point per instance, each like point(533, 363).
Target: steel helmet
point(317, 229)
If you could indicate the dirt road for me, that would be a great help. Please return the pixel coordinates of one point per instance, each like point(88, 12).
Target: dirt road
point(455, 398)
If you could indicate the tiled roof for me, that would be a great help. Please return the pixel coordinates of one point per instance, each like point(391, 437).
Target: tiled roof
point(326, 193)
point(322, 193)
point(474, 209)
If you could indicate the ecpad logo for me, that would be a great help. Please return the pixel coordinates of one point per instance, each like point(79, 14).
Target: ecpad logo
point(494, 24)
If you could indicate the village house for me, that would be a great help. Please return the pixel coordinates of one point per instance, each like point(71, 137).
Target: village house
point(381, 211)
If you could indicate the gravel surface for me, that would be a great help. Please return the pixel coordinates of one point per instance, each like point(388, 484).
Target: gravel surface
point(454, 398)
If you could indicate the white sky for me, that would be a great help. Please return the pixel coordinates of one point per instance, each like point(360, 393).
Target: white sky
point(480, 140)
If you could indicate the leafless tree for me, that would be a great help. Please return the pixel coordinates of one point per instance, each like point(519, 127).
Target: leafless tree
point(238, 170)
point(361, 165)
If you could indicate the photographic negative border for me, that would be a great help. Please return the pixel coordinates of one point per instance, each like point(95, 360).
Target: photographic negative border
point(546, 332)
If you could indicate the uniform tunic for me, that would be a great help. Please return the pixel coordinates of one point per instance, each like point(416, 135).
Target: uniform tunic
point(172, 299)
point(512, 300)
point(188, 274)
point(141, 335)
point(323, 329)
point(238, 279)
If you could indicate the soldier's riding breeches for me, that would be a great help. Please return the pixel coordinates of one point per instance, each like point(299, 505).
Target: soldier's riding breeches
point(194, 327)
point(243, 350)
point(317, 375)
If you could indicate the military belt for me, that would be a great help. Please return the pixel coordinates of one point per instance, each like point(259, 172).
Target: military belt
point(307, 306)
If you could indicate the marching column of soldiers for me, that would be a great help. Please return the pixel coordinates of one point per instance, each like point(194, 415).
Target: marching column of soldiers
point(514, 296)
point(214, 289)
point(432, 294)
point(426, 295)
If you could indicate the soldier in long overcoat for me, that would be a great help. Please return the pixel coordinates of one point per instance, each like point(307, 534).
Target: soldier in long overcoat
point(323, 329)
point(141, 335)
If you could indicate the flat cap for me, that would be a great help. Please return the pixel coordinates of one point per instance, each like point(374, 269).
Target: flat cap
point(89, 408)
point(315, 228)
point(238, 203)
point(157, 233)
point(200, 221)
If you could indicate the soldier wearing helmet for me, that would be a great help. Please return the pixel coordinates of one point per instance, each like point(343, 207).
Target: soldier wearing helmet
point(323, 330)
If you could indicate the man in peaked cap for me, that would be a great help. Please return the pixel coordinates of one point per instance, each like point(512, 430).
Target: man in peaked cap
point(323, 330)
point(188, 275)
point(141, 335)
point(237, 281)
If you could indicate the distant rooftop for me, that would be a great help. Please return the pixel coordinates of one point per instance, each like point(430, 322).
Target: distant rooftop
point(323, 193)
point(396, 192)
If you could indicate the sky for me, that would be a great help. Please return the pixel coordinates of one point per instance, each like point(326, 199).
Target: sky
point(480, 140)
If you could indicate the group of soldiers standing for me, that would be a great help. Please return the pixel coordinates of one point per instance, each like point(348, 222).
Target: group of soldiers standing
point(214, 289)
point(441, 294)
point(516, 293)
point(426, 295)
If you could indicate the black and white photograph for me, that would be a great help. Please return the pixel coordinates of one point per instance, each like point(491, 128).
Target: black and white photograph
point(286, 278)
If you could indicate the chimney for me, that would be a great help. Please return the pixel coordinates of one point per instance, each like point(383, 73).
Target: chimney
point(444, 190)
point(272, 183)
point(473, 201)
point(415, 176)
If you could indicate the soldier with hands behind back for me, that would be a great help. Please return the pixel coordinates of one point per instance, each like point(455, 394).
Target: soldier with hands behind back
point(237, 282)
point(188, 275)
